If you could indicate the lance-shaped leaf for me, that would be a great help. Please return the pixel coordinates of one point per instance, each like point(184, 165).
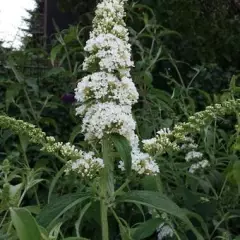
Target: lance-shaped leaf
point(160, 202)
point(124, 149)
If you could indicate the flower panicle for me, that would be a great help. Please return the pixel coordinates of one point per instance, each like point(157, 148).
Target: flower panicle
point(171, 140)
point(66, 151)
point(106, 95)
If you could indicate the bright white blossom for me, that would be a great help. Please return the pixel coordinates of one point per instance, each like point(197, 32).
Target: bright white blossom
point(199, 165)
point(164, 131)
point(142, 163)
point(193, 155)
point(165, 140)
point(105, 96)
point(189, 146)
point(109, 18)
point(87, 166)
point(84, 163)
point(110, 53)
point(106, 118)
point(161, 143)
point(106, 86)
point(164, 231)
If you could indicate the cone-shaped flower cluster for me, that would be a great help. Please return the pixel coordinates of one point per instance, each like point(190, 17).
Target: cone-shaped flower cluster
point(105, 96)
point(169, 140)
point(85, 163)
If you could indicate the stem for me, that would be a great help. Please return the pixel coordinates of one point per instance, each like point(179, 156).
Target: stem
point(36, 197)
point(68, 58)
point(61, 40)
point(107, 187)
point(108, 177)
point(24, 152)
point(178, 73)
point(3, 219)
point(31, 106)
point(104, 219)
point(119, 190)
point(22, 196)
point(218, 224)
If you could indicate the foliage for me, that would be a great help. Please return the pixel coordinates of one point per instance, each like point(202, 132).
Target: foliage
point(209, 32)
point(36, 86)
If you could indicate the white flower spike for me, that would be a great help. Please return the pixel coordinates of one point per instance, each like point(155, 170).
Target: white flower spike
point(105, 96)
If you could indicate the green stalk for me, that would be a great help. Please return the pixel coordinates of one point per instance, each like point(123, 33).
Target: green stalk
point(104, 219)
point(107, 187)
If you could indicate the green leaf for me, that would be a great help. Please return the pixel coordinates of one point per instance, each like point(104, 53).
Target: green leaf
point(4, 236)
point(54, 181)
point(200, 220)
point(75, 132)
point(54, 52)
point(82, 213)
point(25, 224)
point(148, 78)
point(156, 58)
point(152, 183)
point(207, 96)
point(24, 142)
point(233, 85)
point(161, 202)
point(55, 231)
point(54, 71)
point(125, 232)
point(11, 93)
point(35, 209)
point(146, 229)
point(93, 213)
point(49, 121)
point(17, 74)
point(154, 200)
point(57, 208)
point(124, 149)
point(33, 84)
point(44, 233)
point(164, 33)
point(236, 173)
point(15, 190)
point(75, 238)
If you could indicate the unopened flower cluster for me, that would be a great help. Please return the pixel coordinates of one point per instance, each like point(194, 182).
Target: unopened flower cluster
point(36, 135)
point(105, 96)
point(66, 151)
point(169, 140)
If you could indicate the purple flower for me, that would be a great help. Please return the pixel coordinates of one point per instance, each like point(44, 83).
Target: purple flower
point(68, 98)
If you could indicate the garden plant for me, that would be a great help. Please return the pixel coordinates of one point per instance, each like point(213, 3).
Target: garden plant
point(118, 158)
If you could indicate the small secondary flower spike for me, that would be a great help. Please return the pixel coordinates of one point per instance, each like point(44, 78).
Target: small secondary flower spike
point(166, 139)
point(69, 153)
